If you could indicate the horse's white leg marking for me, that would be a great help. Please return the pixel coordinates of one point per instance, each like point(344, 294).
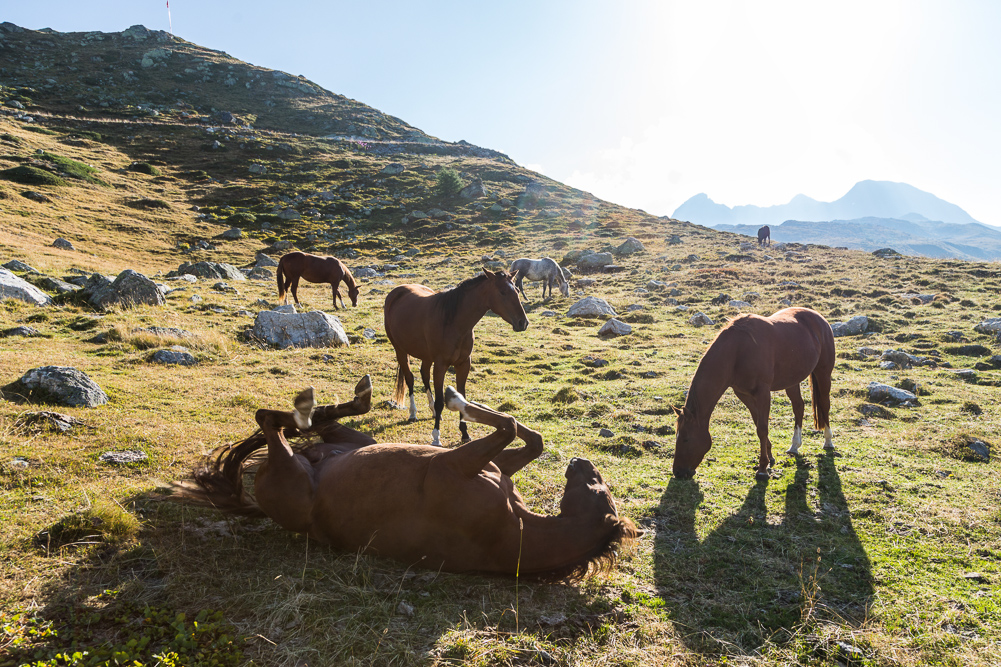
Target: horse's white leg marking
point(456, 401)
point(828, 435)
point(413, 406)
point(797, 441)
point(304, 405)
point(435, 442)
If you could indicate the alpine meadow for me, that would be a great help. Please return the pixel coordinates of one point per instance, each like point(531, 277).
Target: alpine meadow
point(140, 159)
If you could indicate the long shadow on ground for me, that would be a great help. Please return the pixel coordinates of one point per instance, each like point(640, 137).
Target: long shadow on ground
point(750, 578)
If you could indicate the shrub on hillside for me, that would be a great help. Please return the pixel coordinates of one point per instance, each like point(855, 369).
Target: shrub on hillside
point(144, 168)
point(27, 175)
point(241, 219)
point(447, 183)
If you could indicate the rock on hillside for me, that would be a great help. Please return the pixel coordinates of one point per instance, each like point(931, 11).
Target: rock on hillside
point(13, 287)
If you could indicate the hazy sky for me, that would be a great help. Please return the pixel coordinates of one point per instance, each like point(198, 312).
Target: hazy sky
point(644, 103)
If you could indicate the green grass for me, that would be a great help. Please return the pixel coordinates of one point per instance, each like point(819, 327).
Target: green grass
point(863, 556)
point(28, 175)
point(74, 168)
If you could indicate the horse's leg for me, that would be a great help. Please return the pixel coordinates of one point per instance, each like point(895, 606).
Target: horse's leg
point(759, 403)
point(517, 283)
point(820, 380)
point(471, 458)
point(408, 376)
point(796, 398)
point(295, 289)
point(461, 373)
point(334, 294)
point(426, 379)
point(359, 405)
point(286, 486)
point(440, 368)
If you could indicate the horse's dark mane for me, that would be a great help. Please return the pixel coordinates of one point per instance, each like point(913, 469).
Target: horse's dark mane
point(349, 279)
point(449, 302)
point(600, 559)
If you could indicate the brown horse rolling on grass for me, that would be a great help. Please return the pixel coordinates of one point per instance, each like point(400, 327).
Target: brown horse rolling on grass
point(451, 509)
point(437, 328)
point(314, 269)
point(756, 356)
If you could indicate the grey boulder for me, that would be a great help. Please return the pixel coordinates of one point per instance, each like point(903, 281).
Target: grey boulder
point(312, 329)
point(591, 306)
point(853, 327)
point(127, 290)
point(219, 270)
point(13, 287)
point(881, 393)
point(614, 327)
point(61, 385)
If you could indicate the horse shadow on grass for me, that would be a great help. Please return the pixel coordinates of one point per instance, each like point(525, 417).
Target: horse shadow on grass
point(750, 579)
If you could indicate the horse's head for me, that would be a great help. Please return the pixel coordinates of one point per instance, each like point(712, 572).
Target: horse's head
point(585, 493)
point(353, 294)
point(503, 299)
point(691, 444)
point(564, 288)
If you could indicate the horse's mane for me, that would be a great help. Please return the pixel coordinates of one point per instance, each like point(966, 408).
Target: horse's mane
point(348, 278)
point(218, 480)
point(449, 302)
point(598, 560)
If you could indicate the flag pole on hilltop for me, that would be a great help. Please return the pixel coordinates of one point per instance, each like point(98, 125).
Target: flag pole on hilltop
point(170, 23)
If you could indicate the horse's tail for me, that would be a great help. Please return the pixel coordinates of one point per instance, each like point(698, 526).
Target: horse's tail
point(281, 278)
point(401, 385)
point(218, 482)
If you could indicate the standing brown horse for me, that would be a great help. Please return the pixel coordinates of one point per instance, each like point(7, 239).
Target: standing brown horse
point(437, 328)
point(764, 236)
point(455, 509)
point(315, 269)
point(756, 356)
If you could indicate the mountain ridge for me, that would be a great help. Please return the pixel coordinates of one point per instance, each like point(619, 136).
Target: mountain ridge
point(868, 198)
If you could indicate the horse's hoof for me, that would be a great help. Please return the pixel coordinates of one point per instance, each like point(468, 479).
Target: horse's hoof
point(464, 439)
point(829, 448)
point(411, 420)
point(454, 400)
point(792, 452)
point(762, 476)
point(771, 462)
point(364, 386)
point(304, 404)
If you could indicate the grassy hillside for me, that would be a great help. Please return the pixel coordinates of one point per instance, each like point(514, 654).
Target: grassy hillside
point(886, 552)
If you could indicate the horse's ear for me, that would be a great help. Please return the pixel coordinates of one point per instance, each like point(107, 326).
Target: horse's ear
point(678, 411)
point(514, 274)
point(487, 272)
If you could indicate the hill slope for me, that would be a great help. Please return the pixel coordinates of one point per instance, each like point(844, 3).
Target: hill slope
point(886, 551)
point(878, 199)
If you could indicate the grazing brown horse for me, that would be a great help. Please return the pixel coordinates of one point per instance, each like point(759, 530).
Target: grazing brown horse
point(450, 509)
point(437, 328)
point(315, 269)
point(765, 236)
point(756, 356)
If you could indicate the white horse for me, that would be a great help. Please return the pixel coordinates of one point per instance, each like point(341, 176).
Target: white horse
point(545, 269)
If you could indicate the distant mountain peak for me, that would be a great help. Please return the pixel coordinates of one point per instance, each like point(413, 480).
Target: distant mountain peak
point(869, 198)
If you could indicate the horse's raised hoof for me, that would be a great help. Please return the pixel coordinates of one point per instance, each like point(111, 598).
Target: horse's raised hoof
point(762, 476)
point(304, 404)
point(363, 387)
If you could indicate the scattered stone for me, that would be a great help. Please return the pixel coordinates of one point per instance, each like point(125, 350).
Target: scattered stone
point(57, 286)
point(312, 329)
point(966, 374)
point(698, 319)
point(899, 359)
point(880, 393)
point(127, 290)
point(634, 307)
point(975, 576)
point(586, 282)
point(217, 270)
point(594, 261)
point(289, 214)
point(885, 253)
point(256, 168)
point(605, 433)
point(591, 306)
point(548, 313)
point(61, 385)
point(18, 265)
point(594, 362)
point(629, 246)
point(174, 355)
point(674, 240)
point(853, 327)
point(232, 234)
point(62, 244)
point(873, 410)
point(405, 608)
point(474, 190)
point(991, 325)
point(720, 299)
point(368, 333)
point(53, 421)
point(393, 169)
point(614, 327)
point(259, 273)
point(14, 287)
point(740, 305)
point(24, 331)
point(264, 261)
point(36, 196)
point(124, 457)
point(650, 375)
point(980, 449)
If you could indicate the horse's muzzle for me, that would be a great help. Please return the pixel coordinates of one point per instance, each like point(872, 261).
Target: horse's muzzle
point(521, 325)
point(684, 473)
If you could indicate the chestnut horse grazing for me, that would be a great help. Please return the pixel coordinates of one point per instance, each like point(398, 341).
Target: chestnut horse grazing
point(437, 328)
point(315, 269)
point(756, 356)
point(450, 509)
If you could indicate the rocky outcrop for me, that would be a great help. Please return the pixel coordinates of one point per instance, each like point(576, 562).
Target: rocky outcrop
point(128, 290)
point(61, 385)
point(219, 270)
point(13, 287)
point(312, 329)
